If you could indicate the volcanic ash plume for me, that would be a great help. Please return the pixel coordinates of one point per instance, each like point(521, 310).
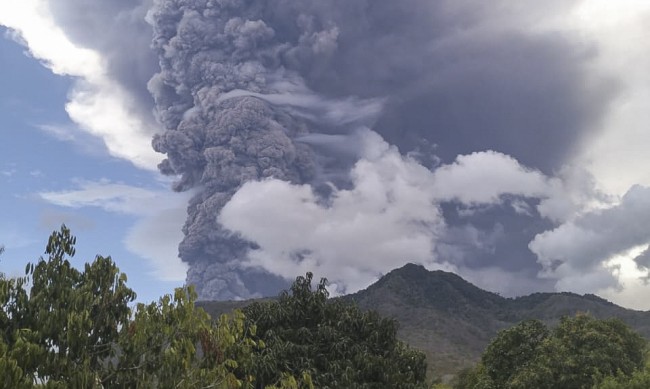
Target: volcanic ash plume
point(216, 149)
point(223, 96)
point(329, 109)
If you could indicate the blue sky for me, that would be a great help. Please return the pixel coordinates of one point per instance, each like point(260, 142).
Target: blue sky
point(43, 152)
point(77, 121)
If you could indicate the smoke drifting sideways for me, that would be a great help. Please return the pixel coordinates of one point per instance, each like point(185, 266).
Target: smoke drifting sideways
point(326, 136)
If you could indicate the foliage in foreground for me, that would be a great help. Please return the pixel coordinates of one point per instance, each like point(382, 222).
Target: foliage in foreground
point(65, 328)
point(580, 353)
point(61, 327)
point(337, 344)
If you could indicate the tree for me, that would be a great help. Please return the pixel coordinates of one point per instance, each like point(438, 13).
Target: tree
point(583, 350)
point(579, 353)
point(172, 344)
point(329, 343)
point(640, 379)
point(75, 329)
point(512, 350)
point(69, 323)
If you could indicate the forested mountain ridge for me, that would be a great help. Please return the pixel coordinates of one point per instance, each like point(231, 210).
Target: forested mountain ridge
point(452, 320)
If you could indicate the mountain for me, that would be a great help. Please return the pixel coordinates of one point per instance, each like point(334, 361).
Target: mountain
point(452, 321)
point(439, 313)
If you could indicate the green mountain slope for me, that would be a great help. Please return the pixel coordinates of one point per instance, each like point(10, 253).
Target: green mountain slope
point(439, 313)
point(452, 321)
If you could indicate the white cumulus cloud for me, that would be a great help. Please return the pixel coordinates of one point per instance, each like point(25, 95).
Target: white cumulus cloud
point(391, 214)
point(97, 103)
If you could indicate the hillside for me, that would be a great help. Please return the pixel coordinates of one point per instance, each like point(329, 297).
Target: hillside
point(445, 316)
point(452, 320)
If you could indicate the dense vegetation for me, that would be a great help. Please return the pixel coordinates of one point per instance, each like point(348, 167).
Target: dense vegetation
point(65, 328)
point(580, 353)
point(336, 343)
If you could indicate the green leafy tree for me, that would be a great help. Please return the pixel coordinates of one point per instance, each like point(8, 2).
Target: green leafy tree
point(329, 344)
point(640, 379)
point(172, 344)
point(583, 350)
point(513, 350)
point(62, 329)
point(579, 353)
point(75, 329)
point(73, 317)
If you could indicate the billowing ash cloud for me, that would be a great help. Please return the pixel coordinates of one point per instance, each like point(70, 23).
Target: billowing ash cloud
point(282, 113)
point(235, 113)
